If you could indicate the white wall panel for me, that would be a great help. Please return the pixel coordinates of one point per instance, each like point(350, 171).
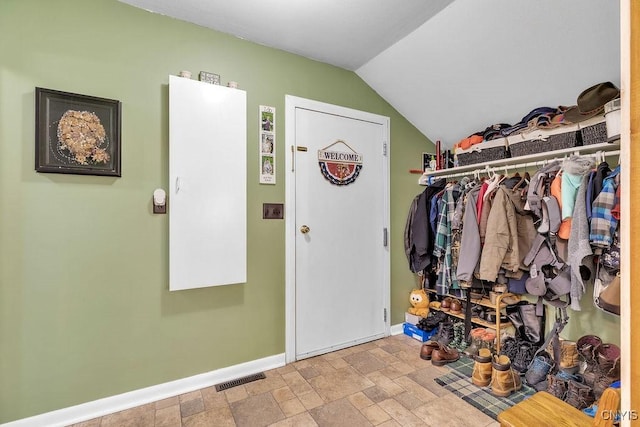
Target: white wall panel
point(207, 185)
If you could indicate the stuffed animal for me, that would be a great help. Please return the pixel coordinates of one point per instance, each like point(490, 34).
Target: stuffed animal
point(419, 303)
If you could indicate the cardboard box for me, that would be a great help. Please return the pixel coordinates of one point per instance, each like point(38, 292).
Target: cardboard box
point(411, 318)
point(418, 334)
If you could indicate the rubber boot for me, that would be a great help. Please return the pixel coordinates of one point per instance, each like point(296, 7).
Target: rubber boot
point(482, 368)
point(504, 380)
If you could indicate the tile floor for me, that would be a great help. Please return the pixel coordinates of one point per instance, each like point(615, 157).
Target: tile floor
point(381, 383)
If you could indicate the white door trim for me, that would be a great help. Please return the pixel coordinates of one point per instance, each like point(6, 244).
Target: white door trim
point(291, 104)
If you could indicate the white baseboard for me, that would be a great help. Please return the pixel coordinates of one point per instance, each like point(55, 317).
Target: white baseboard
point(397, 329)
point(120, 402)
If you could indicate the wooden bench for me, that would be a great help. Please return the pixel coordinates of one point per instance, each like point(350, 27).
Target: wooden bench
point(543, 409)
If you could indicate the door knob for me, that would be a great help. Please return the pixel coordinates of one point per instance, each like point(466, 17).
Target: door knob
point(304, 229)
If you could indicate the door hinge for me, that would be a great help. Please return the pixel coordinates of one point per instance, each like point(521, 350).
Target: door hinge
point(384, 148)
point(384, 314)
point(385, 237)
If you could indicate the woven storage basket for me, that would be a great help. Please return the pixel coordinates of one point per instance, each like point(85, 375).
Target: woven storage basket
point(594, 134)
point(482, 153)
point(553, 142)
point(542, 140)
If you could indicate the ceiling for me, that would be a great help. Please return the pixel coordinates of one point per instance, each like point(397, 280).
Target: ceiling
point(451, 68)
point(345, 33)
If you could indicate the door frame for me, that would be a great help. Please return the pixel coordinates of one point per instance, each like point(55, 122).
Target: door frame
point(291, 104)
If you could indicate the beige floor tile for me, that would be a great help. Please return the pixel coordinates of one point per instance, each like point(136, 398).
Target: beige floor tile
point(171, 401)
point(360, 400)
point(190, 396)
point(339, 413)
point(283, 393)
point(339, 384)
point(191, 407)
point(262, 386)
point(365, 362)
point(89, 423)
point(168, 416)
point(236, 393)
point(255, 411)
point(338, 363)
point(415, 388)
point(409, 400)
point(401, 414)
point(286, 369)
point(131, 417)
point(213, 399)
point(309, 372)
point(301, 420)
point(436, 414)
point(218, 417)
point(390, 386)
point(376, 394)
point(297, 383)
point(383, 355)
point(292, 407)
point(311, 400)
point(382, 383)
point(375, 414)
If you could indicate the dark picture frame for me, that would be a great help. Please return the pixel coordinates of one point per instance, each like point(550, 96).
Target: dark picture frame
point(77, 134)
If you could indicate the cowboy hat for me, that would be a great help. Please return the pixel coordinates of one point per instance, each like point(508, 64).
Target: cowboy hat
point(591, 102)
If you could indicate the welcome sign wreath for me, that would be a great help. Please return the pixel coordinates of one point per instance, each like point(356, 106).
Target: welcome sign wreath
point(340, 167)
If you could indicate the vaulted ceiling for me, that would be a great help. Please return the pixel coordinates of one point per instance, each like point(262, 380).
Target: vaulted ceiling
point(450, 67)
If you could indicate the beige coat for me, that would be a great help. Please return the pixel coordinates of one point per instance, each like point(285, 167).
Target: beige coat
point(510, 233)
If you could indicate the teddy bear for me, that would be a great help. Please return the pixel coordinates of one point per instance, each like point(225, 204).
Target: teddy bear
point(419, 303)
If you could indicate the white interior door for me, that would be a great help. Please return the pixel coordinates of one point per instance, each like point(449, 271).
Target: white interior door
point(340, 254)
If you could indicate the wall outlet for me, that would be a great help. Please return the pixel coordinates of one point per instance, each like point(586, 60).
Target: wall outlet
point(272, 211)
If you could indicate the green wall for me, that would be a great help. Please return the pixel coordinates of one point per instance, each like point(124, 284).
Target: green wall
point(85, 310)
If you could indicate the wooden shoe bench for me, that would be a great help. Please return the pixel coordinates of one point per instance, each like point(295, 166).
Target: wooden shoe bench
point(543, 409)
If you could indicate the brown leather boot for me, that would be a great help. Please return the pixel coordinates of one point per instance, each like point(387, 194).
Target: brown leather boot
point(579, 395)
point(504, 380)
point(556, 387)
point(443, 355)
point(427, 349)
point(482, 368)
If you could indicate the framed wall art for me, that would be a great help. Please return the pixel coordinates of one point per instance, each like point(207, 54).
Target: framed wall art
point(77, 134)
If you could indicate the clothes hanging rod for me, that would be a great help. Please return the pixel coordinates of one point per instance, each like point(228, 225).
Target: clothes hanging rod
point(470, 170)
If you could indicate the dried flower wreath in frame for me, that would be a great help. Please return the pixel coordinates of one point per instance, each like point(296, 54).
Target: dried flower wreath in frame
point(77, 134)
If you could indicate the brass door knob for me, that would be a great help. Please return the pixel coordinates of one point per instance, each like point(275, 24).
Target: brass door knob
point(304, 229)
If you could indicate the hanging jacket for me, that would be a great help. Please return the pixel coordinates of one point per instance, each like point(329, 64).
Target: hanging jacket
point(418, 237)
point(603, 223)
point(580, 252)
point(510, 233)
point(470, 247)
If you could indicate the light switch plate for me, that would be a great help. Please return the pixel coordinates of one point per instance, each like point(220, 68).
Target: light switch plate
point(272, 211)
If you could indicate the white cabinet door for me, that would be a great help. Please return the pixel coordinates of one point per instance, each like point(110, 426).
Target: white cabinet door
point(207, 184)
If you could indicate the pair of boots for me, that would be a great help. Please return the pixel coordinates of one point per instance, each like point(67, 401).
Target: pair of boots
point(603, 368)
point(570, 389)
point(444, 336)
point(496, 371)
